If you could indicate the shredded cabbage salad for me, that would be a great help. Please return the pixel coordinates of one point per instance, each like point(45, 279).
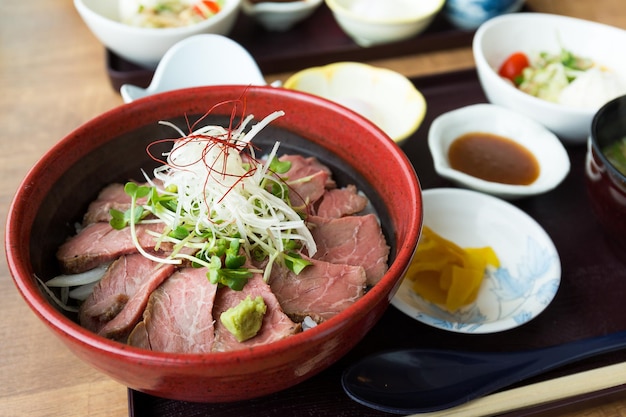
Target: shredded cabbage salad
point(569, 79)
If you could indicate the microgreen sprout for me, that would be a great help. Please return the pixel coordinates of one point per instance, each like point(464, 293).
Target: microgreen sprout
point(134, 214)
point(295, 262)
point(234, 278)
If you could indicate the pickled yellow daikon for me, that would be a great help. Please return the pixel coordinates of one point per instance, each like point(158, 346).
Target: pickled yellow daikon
point(447, 274)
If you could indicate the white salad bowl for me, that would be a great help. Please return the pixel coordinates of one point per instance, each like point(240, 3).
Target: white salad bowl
point(532, 33)
point(516, 292)
point(553, 160)
point(146, 46)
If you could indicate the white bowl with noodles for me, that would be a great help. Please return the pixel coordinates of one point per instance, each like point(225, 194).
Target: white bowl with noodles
point(550, 154)
point(534, 33)
point(513, 294)
point(385, 97)
point(146, 46)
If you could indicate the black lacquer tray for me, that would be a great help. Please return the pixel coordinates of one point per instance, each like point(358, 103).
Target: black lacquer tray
point(317, 40)
point(590, 301)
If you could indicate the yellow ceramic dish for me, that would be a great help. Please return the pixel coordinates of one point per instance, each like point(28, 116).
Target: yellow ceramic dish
point(385, 97)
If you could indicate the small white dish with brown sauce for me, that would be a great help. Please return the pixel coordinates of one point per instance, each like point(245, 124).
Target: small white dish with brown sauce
point(494, 150)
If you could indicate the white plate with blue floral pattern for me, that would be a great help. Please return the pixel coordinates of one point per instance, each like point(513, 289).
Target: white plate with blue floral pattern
point(513, 294)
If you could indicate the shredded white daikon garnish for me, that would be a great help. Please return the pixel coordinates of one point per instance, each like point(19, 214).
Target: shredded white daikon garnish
point(219, 192)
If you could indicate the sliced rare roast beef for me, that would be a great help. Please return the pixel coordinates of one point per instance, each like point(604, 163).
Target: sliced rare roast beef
point(307, 190)
point(302, 167)
point(352, 240)
point(119, 299)
point(99, 243)
point(276, 325)
point(307, 179)
point(320, 291)
point(176, 308)
point(112, 196)
point(340, 202)
point(179, 315)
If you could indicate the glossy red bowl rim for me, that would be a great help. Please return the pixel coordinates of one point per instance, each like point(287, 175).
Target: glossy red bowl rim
point(21, 212)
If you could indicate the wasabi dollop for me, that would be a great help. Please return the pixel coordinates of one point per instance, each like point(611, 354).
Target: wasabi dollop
point(244, 320)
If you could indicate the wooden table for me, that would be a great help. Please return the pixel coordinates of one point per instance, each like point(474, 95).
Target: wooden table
point(52, 79)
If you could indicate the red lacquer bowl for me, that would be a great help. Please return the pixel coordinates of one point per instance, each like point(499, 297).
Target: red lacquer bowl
point(111, 147)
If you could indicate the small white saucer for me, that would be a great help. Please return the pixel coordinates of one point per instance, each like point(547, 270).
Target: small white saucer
point(199, 60)
point(551, 155)
point(520, 289)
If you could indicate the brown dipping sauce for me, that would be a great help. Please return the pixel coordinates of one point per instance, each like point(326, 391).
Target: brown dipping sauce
point(493, 158)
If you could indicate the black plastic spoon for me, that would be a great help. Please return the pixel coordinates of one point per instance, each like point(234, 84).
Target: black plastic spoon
point(415, 381)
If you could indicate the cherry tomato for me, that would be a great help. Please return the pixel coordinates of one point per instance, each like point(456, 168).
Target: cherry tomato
point(206, 8)
point(513, 66)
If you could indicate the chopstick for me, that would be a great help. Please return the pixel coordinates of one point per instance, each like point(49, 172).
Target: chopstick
point(539, 393)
